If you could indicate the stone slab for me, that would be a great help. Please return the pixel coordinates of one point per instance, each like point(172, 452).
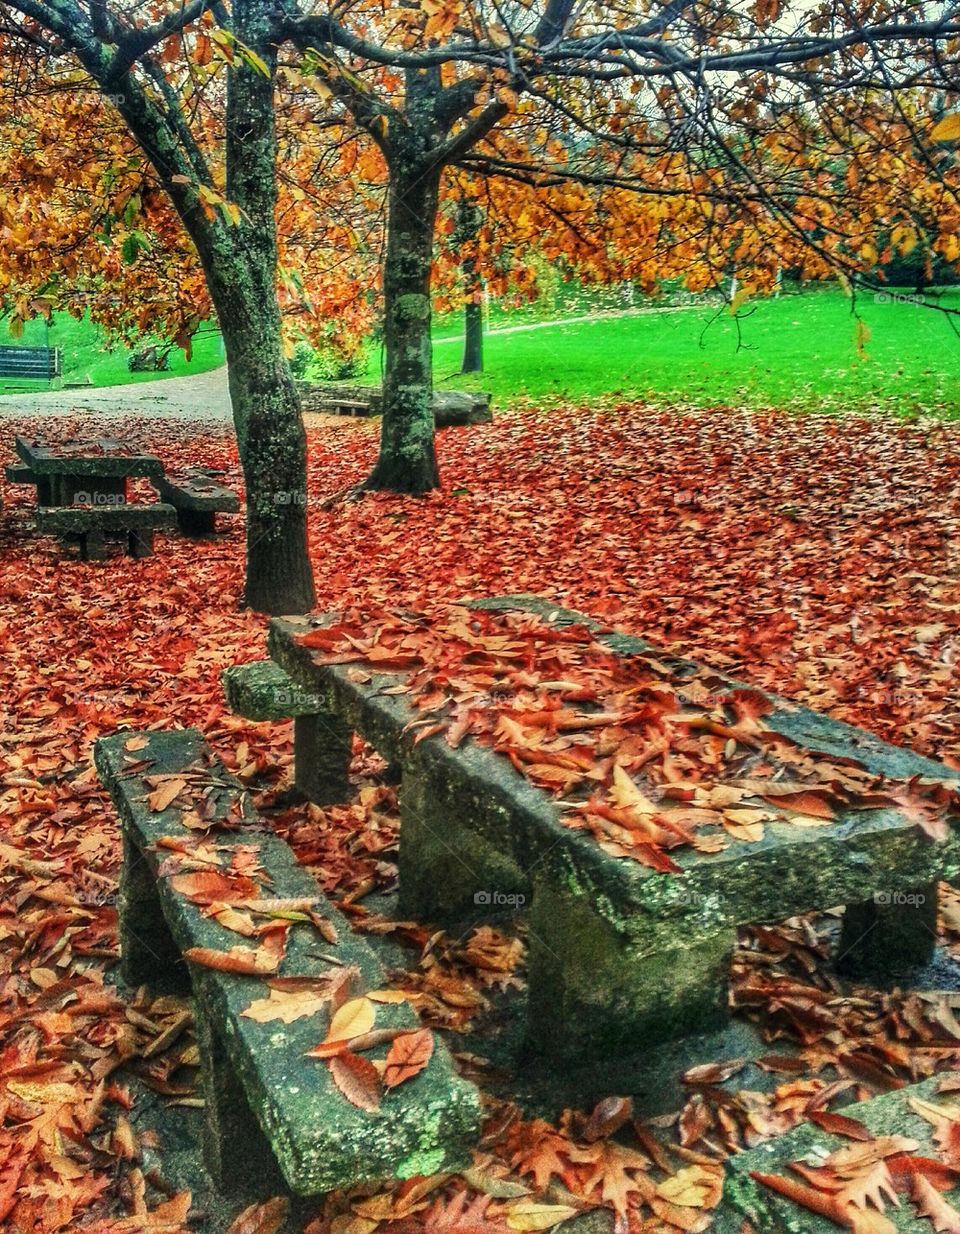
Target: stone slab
point(769, 1213)
point(320, 1140)
point(262, 691)
point(791, 870)
point(109, 519)
point(197, 492)
point(103, 456)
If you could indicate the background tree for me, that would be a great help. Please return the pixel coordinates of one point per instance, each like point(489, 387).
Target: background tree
point(159, 74)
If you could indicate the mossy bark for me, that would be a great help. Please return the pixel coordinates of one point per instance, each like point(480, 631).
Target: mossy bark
point(266, 408)
point(239, 260)
point(407, 462)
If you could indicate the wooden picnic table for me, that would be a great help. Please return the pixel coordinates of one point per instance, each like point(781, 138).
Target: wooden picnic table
point(84, 471)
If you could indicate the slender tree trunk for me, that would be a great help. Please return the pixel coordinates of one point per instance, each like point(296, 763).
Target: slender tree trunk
point(266, 409)
point(472, 319)
point(408, 461)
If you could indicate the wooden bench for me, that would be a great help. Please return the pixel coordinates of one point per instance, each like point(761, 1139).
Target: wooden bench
point(33, 363)
point(622, 955)
point(750, 1205)
point(263, 692)
point(92, 526)
point(267, 1105)
point(197, 499)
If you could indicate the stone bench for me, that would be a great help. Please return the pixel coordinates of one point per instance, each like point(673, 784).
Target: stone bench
point(197, 499)
point(92, 526)
point(450, 407)
point(263, 692)
point(622, 955)
point(267, 1105)
point(20, 473)
point(750, 1205)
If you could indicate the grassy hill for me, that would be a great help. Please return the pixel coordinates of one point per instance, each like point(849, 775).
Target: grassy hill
point(798, 351)
point(88, 357)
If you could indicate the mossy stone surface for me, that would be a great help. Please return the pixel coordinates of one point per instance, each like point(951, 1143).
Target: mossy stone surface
point(321, 1141)
point(744, 1199)
point(262, 691)
point(197, 493)
point(108, 519)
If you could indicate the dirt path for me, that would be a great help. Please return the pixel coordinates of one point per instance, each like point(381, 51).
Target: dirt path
point(204, 397)
point(573, 321)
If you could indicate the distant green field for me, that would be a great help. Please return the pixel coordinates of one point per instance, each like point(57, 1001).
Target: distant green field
point(86, 354)
point(797, 351)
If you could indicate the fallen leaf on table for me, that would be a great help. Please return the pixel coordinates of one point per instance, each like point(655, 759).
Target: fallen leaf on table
point(409, 1054)
point(358, 1079)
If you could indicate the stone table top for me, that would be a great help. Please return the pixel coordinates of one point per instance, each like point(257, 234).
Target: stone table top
point(98, 456)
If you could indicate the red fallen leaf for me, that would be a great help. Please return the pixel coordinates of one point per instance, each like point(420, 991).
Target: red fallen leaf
point(408, 1056)
point(608, 1116)
point(212, 887)
point(904, 1167)
point(814, 804)
point(241, 960)
point(358, 1079)
point(265, 1218)
point(931, 1204)
point(714, 1073)
point(839, 1124)
point(807, 1197)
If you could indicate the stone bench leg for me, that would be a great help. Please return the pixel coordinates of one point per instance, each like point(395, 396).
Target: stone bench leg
point(889, 934)
point(236, 1153)
point(322, 746)
point(44, 490)
point(140, 543)
point(196, 522)
point(148, 954)
point(597, 990)
point(450, 872)
point(93, 546)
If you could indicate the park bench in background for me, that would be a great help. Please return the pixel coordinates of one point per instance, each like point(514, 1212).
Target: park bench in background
point(31, 363)
point(197, 499)
point(93, 526)
point(620, 955)
point(450, 407)
point(267, 1105)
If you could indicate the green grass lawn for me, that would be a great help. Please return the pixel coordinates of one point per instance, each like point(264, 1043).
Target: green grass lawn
point(86, 354)
point(798, 351)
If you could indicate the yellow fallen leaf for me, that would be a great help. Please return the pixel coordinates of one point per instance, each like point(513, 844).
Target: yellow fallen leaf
point(528, 1215)
point(286, 1006)
point(695, 1186)
point(352, 1020)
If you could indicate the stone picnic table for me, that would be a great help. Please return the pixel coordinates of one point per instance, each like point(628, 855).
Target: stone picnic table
point(84, 471)
point(621, 955)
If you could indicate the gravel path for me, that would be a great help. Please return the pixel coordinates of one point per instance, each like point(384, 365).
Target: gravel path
point(203, 398)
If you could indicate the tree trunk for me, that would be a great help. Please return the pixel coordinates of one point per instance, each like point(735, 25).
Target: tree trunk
point(472, 320)
point(408, 461)
point(242, 278)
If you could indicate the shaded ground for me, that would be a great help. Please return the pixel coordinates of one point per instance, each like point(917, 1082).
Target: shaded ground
point(813, 556)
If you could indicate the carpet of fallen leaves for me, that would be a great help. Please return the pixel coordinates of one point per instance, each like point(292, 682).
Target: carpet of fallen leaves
point(815, 557)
